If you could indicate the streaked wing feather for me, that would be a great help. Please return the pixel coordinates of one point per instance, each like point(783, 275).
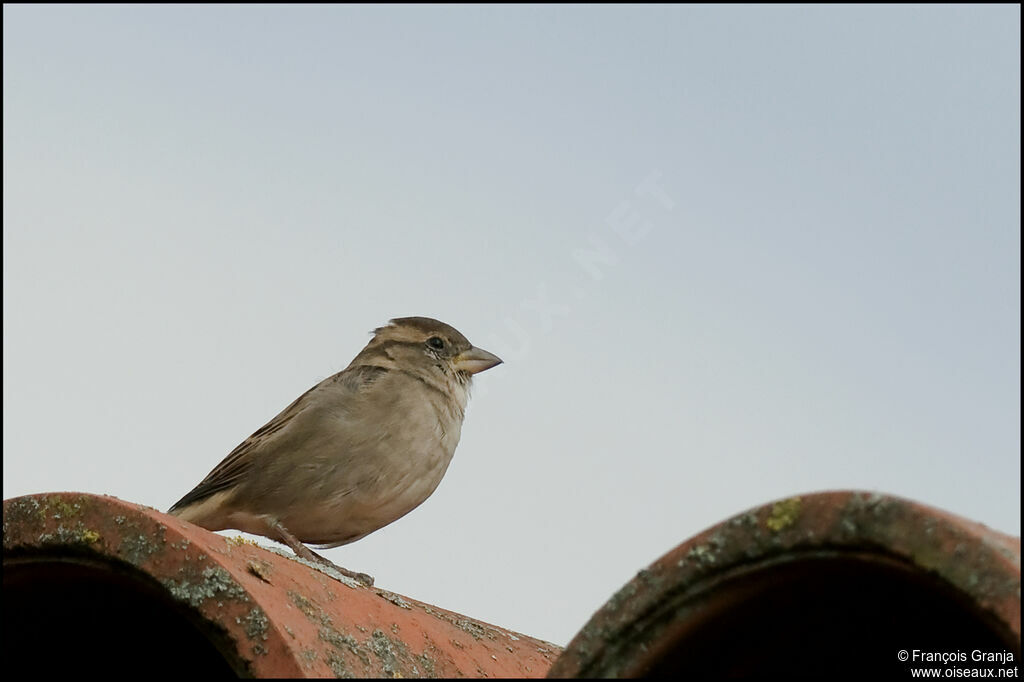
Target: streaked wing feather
point(235, 466)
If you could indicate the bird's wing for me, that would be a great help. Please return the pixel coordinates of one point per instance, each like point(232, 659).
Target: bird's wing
point(239, 461)
point(234, 467)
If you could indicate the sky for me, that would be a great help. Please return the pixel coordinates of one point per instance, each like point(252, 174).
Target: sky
point(728, 255)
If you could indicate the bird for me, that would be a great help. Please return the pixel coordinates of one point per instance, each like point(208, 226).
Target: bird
point(354, 453)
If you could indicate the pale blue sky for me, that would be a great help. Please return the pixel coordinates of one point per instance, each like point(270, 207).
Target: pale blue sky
point(206, 209)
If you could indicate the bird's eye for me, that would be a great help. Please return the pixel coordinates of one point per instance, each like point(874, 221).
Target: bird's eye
point(435, 342)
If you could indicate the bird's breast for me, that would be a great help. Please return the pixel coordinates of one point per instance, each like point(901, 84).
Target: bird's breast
point(374, 471)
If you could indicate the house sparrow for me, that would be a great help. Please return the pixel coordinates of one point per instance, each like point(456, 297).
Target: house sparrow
point(357, 451)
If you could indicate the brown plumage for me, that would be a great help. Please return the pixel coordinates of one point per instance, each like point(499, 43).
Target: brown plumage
point(352, 454)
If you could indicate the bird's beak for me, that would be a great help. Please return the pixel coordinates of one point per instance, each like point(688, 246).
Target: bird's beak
point(475, 360)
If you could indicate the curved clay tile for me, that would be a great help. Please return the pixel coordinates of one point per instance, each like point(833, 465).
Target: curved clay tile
point(828, 585)
point(93, 582)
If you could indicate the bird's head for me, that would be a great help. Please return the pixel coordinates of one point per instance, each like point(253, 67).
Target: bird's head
point(425, 345)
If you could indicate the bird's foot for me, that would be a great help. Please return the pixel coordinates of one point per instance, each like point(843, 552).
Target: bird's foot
point(363, 578)
point(306, 553)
